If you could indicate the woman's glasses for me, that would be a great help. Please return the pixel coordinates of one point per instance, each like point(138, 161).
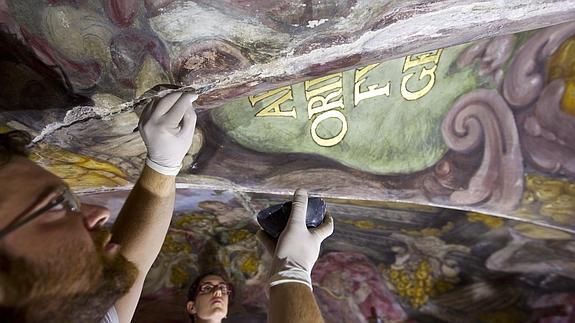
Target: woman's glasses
point(208, 288)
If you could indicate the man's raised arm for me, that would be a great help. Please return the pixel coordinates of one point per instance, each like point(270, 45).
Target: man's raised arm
point(294, 255)
point(167, 127)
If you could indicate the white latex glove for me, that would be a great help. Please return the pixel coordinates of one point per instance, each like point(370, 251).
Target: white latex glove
point(167, 127)
point(297, 248)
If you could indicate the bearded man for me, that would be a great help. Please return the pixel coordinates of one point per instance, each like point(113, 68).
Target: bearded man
point(57, 261)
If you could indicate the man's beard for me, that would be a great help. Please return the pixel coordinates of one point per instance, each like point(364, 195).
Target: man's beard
point(44, 291)
point(118, 276)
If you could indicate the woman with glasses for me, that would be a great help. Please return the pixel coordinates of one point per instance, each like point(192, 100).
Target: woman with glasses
point(208, 298)
point(290, 288)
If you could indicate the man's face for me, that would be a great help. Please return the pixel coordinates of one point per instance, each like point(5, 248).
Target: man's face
point(212, 305)
point(69, 250)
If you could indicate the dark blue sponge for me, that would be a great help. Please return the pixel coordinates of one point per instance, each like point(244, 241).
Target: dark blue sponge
point(274, 218)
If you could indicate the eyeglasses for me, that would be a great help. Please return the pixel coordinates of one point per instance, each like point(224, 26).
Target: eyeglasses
point(208, 288)
point(63, 200)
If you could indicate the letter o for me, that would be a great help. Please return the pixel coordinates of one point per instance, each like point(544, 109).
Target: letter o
point(329, 141)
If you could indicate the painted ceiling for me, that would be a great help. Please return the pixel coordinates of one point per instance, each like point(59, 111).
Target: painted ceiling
point(395, 262)
point(441, 134)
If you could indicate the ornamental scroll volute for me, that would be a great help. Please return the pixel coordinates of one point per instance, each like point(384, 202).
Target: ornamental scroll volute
point(541, 90)
point(482, 119)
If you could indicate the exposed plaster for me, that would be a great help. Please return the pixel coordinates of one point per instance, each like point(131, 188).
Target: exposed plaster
point(84, 113)
point(315, 23)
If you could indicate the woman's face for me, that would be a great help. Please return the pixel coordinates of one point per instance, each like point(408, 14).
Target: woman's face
point(211, 301)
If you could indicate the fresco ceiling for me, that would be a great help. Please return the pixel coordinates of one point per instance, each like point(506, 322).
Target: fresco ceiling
point(395, 262)
point(364, 104)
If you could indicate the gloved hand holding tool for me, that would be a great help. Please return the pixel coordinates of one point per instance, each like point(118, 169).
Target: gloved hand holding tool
point(298, 246)
point(168, 130)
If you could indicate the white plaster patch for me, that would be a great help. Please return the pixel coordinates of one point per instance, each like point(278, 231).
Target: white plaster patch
point(78, 113)
point(61, 16)
point(315, 23)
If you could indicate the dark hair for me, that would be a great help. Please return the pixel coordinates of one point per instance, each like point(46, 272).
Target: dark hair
point(193, 291)
point(13, 143)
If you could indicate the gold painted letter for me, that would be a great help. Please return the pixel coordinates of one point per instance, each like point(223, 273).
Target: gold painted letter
point(431, 57)
point(328, 142)
point(324, 103)
point(410, 96)
point(372, 90)
point(273, 109)
point(410, 62)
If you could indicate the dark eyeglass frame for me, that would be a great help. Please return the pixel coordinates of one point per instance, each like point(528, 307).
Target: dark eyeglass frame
point(228, 288)
point(64, 195)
